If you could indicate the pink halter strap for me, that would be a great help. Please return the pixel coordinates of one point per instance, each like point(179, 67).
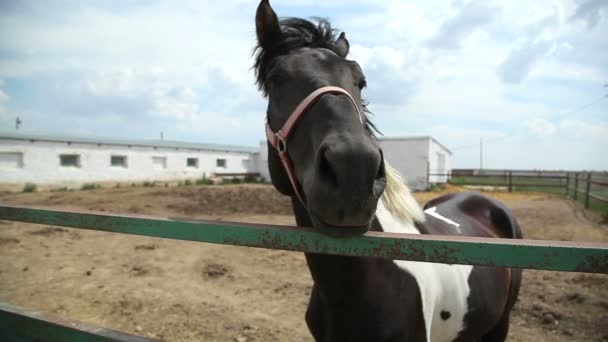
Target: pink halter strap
point(279, 139)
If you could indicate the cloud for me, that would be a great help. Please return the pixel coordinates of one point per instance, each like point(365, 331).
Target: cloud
point(460, 26)
point(585, 130)
point(590, 11)
point(541, 127)
point(392, 74)
point(552, 145)
point(3, 97)
point(7, 117)
point(521, 60)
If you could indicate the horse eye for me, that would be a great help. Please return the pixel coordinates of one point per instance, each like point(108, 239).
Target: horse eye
point(362, 83)
point(273, 78)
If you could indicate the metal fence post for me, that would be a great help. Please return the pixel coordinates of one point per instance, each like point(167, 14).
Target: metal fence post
point(576, 186)
point(588, 189)
point(510, 181)
point(567, 184)
point(428, 174)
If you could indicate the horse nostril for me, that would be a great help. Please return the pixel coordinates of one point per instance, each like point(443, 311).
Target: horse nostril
point(381, 174)
point(326, 171)
point(380, 180)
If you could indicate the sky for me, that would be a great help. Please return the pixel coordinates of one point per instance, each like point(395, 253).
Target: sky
point(528, 78)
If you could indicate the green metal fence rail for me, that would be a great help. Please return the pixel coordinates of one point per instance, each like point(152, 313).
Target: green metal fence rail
point(535, 254)
point(18, 324)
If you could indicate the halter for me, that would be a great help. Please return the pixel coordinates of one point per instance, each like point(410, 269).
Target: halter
point(279, 139)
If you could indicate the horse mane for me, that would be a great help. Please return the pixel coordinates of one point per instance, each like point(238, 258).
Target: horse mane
point(398, 199)
point(295, 33)
point(298, 33)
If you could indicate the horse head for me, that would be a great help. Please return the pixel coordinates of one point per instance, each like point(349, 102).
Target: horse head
point(322, 150)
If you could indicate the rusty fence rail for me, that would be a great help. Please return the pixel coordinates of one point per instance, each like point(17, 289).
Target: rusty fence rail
point(19, 324)
point(536, 254)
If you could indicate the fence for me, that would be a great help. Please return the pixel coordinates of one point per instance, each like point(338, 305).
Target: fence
point(535, 254)
point(589, 187)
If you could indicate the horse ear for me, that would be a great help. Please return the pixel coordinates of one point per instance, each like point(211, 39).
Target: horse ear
point(341, 46)
point(267, 25)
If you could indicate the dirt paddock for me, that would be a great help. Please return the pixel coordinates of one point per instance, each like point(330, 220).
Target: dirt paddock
point(184, 291)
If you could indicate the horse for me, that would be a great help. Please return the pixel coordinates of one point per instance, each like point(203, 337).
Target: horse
point(324, 154)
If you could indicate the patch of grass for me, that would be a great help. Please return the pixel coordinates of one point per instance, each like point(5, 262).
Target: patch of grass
point(166, 185)
point(187, 182)
point(251, 179)
point(605, 217)
point(204, 181)
point(62, 189)
point(117, 186)
point(90, 186)
point(233, 180)
point(436, 187)
point(29, 187)
point(180, 183)
point(148, 184)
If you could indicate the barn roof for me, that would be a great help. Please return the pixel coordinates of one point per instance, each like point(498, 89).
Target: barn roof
point(128, 142)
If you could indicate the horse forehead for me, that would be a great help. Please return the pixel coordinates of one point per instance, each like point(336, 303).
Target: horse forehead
point(306, 54)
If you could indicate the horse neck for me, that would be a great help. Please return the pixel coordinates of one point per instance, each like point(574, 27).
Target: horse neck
point(331, 272)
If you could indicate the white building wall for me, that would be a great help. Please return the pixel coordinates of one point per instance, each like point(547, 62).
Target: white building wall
point(38, 161)
point(41, 162)
point(262, 161)
point(409, 157)
point(435, 167)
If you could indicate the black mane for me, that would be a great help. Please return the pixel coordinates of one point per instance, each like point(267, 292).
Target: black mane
point(296, 33)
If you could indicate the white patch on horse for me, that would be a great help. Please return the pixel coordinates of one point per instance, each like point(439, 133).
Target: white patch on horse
point(433, 212)
point(442, 287)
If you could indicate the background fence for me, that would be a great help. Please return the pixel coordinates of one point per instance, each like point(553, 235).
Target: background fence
point(590, 188)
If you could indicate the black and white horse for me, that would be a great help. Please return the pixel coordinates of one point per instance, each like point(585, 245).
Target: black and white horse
point(323, 153)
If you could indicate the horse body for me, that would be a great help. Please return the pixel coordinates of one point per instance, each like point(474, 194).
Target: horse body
point(360, 299)
point(323, 153)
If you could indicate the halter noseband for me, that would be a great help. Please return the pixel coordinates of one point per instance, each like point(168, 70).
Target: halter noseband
point(279, 139)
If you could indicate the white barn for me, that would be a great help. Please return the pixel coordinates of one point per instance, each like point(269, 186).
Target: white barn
point(45, 159)
point(421, 160)
point(57, 159)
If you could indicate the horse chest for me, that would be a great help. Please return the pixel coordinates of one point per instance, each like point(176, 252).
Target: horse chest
point(444, 291)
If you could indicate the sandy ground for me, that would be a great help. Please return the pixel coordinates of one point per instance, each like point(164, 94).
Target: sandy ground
point(183, 291)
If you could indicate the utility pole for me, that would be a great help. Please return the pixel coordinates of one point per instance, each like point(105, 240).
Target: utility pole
point(480, 153)
point(162, 136)
point(18, 122)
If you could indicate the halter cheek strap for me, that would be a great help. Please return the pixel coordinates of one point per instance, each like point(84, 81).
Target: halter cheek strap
point(279, 139)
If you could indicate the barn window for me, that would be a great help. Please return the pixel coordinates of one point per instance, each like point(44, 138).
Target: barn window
point(70, 160)
point(192, 162)
point(159, 162)
point(118, 161)
point(11, 160)
point(220, 162)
